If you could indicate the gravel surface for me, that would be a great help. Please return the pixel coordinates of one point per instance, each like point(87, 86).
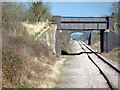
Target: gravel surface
point(80, 72)
point(111, 74)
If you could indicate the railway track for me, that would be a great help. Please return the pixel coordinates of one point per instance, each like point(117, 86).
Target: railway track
point(102, 71)
point(114, 68)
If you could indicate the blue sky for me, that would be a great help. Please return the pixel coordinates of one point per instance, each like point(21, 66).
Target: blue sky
point(81, 9)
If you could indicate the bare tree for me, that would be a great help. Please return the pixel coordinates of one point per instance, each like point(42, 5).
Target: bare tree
point(114, 12)
point(41, 10)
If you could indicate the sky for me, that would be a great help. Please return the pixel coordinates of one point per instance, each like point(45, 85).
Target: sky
point(81, 9)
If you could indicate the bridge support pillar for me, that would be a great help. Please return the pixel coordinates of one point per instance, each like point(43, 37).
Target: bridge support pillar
point(102, 40)
point(58, 43)
point(90, 39)
point(57, 20)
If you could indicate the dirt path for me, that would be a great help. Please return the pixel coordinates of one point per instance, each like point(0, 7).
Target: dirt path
point(80, 72)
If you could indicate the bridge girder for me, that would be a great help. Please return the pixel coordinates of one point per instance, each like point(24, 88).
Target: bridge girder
point(78, 24)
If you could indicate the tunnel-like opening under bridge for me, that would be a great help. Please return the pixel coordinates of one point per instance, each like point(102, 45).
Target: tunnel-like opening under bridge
point(83, 24)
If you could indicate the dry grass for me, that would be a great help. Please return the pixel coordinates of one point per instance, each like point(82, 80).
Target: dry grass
point(26, 62)
point(113, 55)
point(34, 28)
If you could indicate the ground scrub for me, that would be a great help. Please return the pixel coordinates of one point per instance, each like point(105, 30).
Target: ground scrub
point(12, 65)
point(26, 62)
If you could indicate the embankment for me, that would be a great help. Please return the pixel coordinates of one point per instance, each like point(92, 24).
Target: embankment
point(27, 62)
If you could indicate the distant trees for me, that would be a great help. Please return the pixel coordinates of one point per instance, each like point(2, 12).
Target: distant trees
point(10, 13)
point(114, 12)
point(114, 9)
point(41, 11)
point(17, 12)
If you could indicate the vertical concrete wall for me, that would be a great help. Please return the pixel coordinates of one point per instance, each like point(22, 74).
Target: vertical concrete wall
point(58, 43)
point(111, 40)
point(49, 38)
point(57, 20)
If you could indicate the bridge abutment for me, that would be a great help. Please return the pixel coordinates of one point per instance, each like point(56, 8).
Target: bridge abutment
point(57, 20)
point(58, 43)
point(111, 40)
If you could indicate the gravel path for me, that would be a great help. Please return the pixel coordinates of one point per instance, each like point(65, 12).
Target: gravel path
point(80, 72)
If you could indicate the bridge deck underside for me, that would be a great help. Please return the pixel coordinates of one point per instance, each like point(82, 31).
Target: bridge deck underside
point(83, 23)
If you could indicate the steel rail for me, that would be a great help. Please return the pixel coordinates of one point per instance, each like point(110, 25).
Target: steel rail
point(105, 77)
point(114, 68)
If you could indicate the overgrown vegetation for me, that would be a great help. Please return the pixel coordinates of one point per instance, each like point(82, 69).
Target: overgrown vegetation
point(117, 50)
point(41, 11)
point(65, 38)
point(95, 37)
point(12, 13)
point(19, 59)
point(26, 62)
point(115, 13)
